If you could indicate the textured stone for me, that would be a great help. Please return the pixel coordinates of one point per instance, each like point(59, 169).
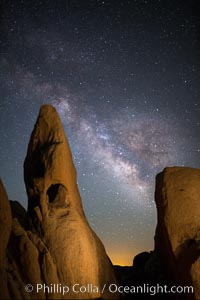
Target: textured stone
point(178, 230)
point(24, 261)
point(54, 244)
point(56, 211)
point(19, 213)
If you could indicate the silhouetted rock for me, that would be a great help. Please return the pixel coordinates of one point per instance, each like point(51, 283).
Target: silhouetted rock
point(147, 270)
point(178, 230)
point(176, 258)
point(141, 259)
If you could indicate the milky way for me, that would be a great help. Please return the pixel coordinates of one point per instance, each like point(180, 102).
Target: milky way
point(124, 78)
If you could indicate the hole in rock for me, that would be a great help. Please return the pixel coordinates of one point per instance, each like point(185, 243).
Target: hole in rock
point(57, 195)
point(53, 192)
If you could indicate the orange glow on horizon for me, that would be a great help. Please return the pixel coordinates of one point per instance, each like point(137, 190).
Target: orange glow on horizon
point(121, 259)
point(123, 256)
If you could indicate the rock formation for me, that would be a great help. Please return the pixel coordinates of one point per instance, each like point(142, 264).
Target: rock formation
point(175, 260)
point(53, 243)
point(178, 230)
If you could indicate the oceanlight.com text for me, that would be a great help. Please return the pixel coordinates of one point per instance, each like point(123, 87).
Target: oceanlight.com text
point(112, 288)
point(151, 289)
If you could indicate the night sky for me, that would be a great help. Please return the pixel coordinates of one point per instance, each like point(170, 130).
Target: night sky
point(125, 79)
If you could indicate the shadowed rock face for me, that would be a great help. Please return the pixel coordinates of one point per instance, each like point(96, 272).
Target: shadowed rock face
point(53, 243)
point(178, 230)
point(5, 229)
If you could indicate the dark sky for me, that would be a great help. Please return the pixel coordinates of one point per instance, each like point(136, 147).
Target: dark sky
point(125, 79)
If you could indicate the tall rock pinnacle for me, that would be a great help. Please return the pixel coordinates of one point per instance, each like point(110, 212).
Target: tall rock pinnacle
point(55, 209)
point(48, 168)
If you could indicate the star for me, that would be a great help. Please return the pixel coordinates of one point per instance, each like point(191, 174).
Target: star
point(125, 84)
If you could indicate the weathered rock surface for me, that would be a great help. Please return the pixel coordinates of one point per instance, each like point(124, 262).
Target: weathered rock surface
point(53, 244)
point(55, 208)
point(178, 230)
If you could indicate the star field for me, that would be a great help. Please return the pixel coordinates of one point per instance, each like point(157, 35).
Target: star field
point(125, 79)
